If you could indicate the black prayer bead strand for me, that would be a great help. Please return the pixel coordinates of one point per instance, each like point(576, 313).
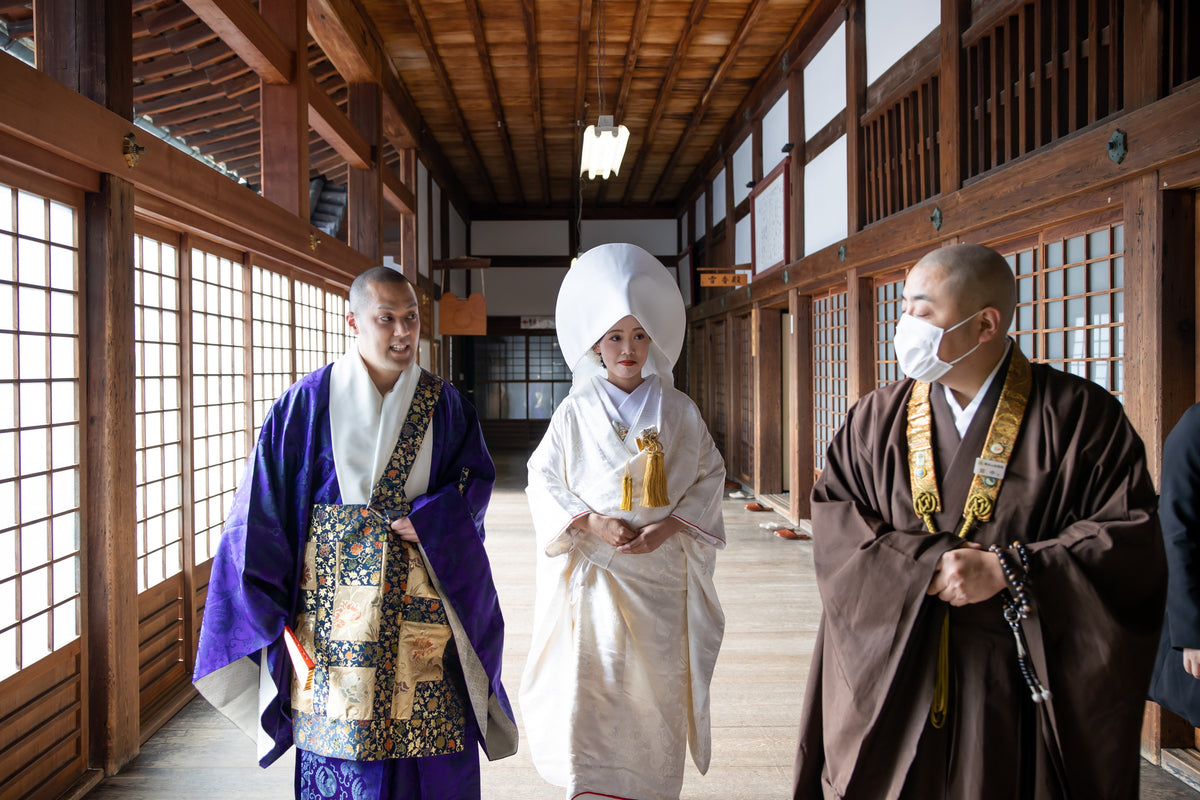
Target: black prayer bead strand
point(1016, 609)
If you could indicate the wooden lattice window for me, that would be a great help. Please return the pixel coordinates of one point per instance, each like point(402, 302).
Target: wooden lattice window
point(1046, 70)
point(158, 408)
point(311, 346)
point(888, 306)
point(40, 396)
point(219, 430)
point(336, 334)
point(271, 338)
point(831, 385)
point(1181, 45)
point(1071, 303)
point(900, 160)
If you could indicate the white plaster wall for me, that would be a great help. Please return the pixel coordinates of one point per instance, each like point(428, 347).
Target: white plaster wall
point(519, 291)
point(774, 133)
point(718, 193)
point(895, 28)
point(825, 83)
point(825, 198)
point(520, 238)
point(654, 235)
point(458, 234)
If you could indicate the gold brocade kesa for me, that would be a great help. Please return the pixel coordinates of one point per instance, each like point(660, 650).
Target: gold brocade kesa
point(375, 626)
point(985, 484)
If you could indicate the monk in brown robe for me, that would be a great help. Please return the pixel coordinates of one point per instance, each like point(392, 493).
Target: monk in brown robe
point(917, 687)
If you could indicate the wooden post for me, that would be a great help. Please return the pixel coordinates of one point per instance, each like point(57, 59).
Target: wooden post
point(800, 437)
point(795, 219)
point(856, 99)
point(283, 142)
point(1144, 82)
point(109, 541)
point(768, 406)
point(365, 192)
point(950, 129)
point(860, 336)
point(1160, 374)
point(87, 45)
point(408, 222)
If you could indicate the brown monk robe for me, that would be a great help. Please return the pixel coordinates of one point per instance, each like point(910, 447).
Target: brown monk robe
point(1076, 491)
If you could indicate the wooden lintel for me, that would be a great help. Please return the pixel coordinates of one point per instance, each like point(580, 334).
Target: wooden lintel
point(462, 262)
point(244, 31)
point(41, 111)
point(334, 127)
point(396, 194)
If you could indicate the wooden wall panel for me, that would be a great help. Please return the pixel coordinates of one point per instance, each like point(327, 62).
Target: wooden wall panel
point(43, 717)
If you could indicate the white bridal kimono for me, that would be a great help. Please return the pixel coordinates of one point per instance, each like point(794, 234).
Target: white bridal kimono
point(617, 682)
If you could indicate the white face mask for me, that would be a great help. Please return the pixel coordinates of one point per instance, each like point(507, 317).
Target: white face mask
point(917, 342)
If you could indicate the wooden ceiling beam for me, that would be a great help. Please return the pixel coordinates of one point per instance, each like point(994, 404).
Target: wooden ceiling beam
point(535, 97)
point(475, 19)
point(396, 194)
point(214, 122)
point(581, 69)
point(731, 53)
point(334, 126)
point(664, 94)
point(636, 32)
point(631, 53)
point(421, 26)
point(351, 42)
point(244, 31)
point(145, 92)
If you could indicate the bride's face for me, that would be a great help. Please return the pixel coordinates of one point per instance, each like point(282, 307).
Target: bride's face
point(624, 350)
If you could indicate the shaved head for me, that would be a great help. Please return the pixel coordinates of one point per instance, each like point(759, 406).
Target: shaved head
point(974, 277)
point(374, 275)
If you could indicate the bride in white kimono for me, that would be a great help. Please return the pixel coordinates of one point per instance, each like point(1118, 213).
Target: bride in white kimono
point(627, 623)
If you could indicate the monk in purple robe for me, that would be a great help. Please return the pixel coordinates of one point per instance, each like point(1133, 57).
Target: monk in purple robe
point(351, 608)
point(988, 555)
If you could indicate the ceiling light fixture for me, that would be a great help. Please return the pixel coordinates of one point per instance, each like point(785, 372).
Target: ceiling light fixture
point(603, 143)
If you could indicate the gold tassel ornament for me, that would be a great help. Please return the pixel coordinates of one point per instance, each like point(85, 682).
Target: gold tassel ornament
point(654, 484)
point(627, 490)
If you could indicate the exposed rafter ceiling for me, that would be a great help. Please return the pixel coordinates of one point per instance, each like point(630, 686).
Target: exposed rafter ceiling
point(494, 92)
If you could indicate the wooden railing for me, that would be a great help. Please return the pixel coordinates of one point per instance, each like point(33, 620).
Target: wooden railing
point(1036, 73)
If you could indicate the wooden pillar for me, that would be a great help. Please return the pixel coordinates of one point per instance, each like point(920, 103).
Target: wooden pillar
point(768, 406)
point(1160, 368)
point(800, 437)
point(856, 100)
point(408, 222)
point(860, 336)
point(1144, 80)
point(87, 45)
point(109, 540)
point(365, 192)
point(795, 218)
point(950, 112)
point(283, 143)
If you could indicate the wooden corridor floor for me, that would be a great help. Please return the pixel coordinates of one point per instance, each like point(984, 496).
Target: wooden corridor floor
point(769, 594)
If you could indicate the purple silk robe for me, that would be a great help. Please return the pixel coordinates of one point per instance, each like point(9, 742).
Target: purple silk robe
point(1078, 493)
point(254, 588)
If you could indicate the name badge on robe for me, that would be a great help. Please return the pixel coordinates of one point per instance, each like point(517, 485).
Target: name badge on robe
point(990, 469)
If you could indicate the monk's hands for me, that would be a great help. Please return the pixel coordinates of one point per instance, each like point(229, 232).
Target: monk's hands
point(405, 529)
point(1191, 661)
point(651, 537)
point(610, 530)
point(968, 574)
